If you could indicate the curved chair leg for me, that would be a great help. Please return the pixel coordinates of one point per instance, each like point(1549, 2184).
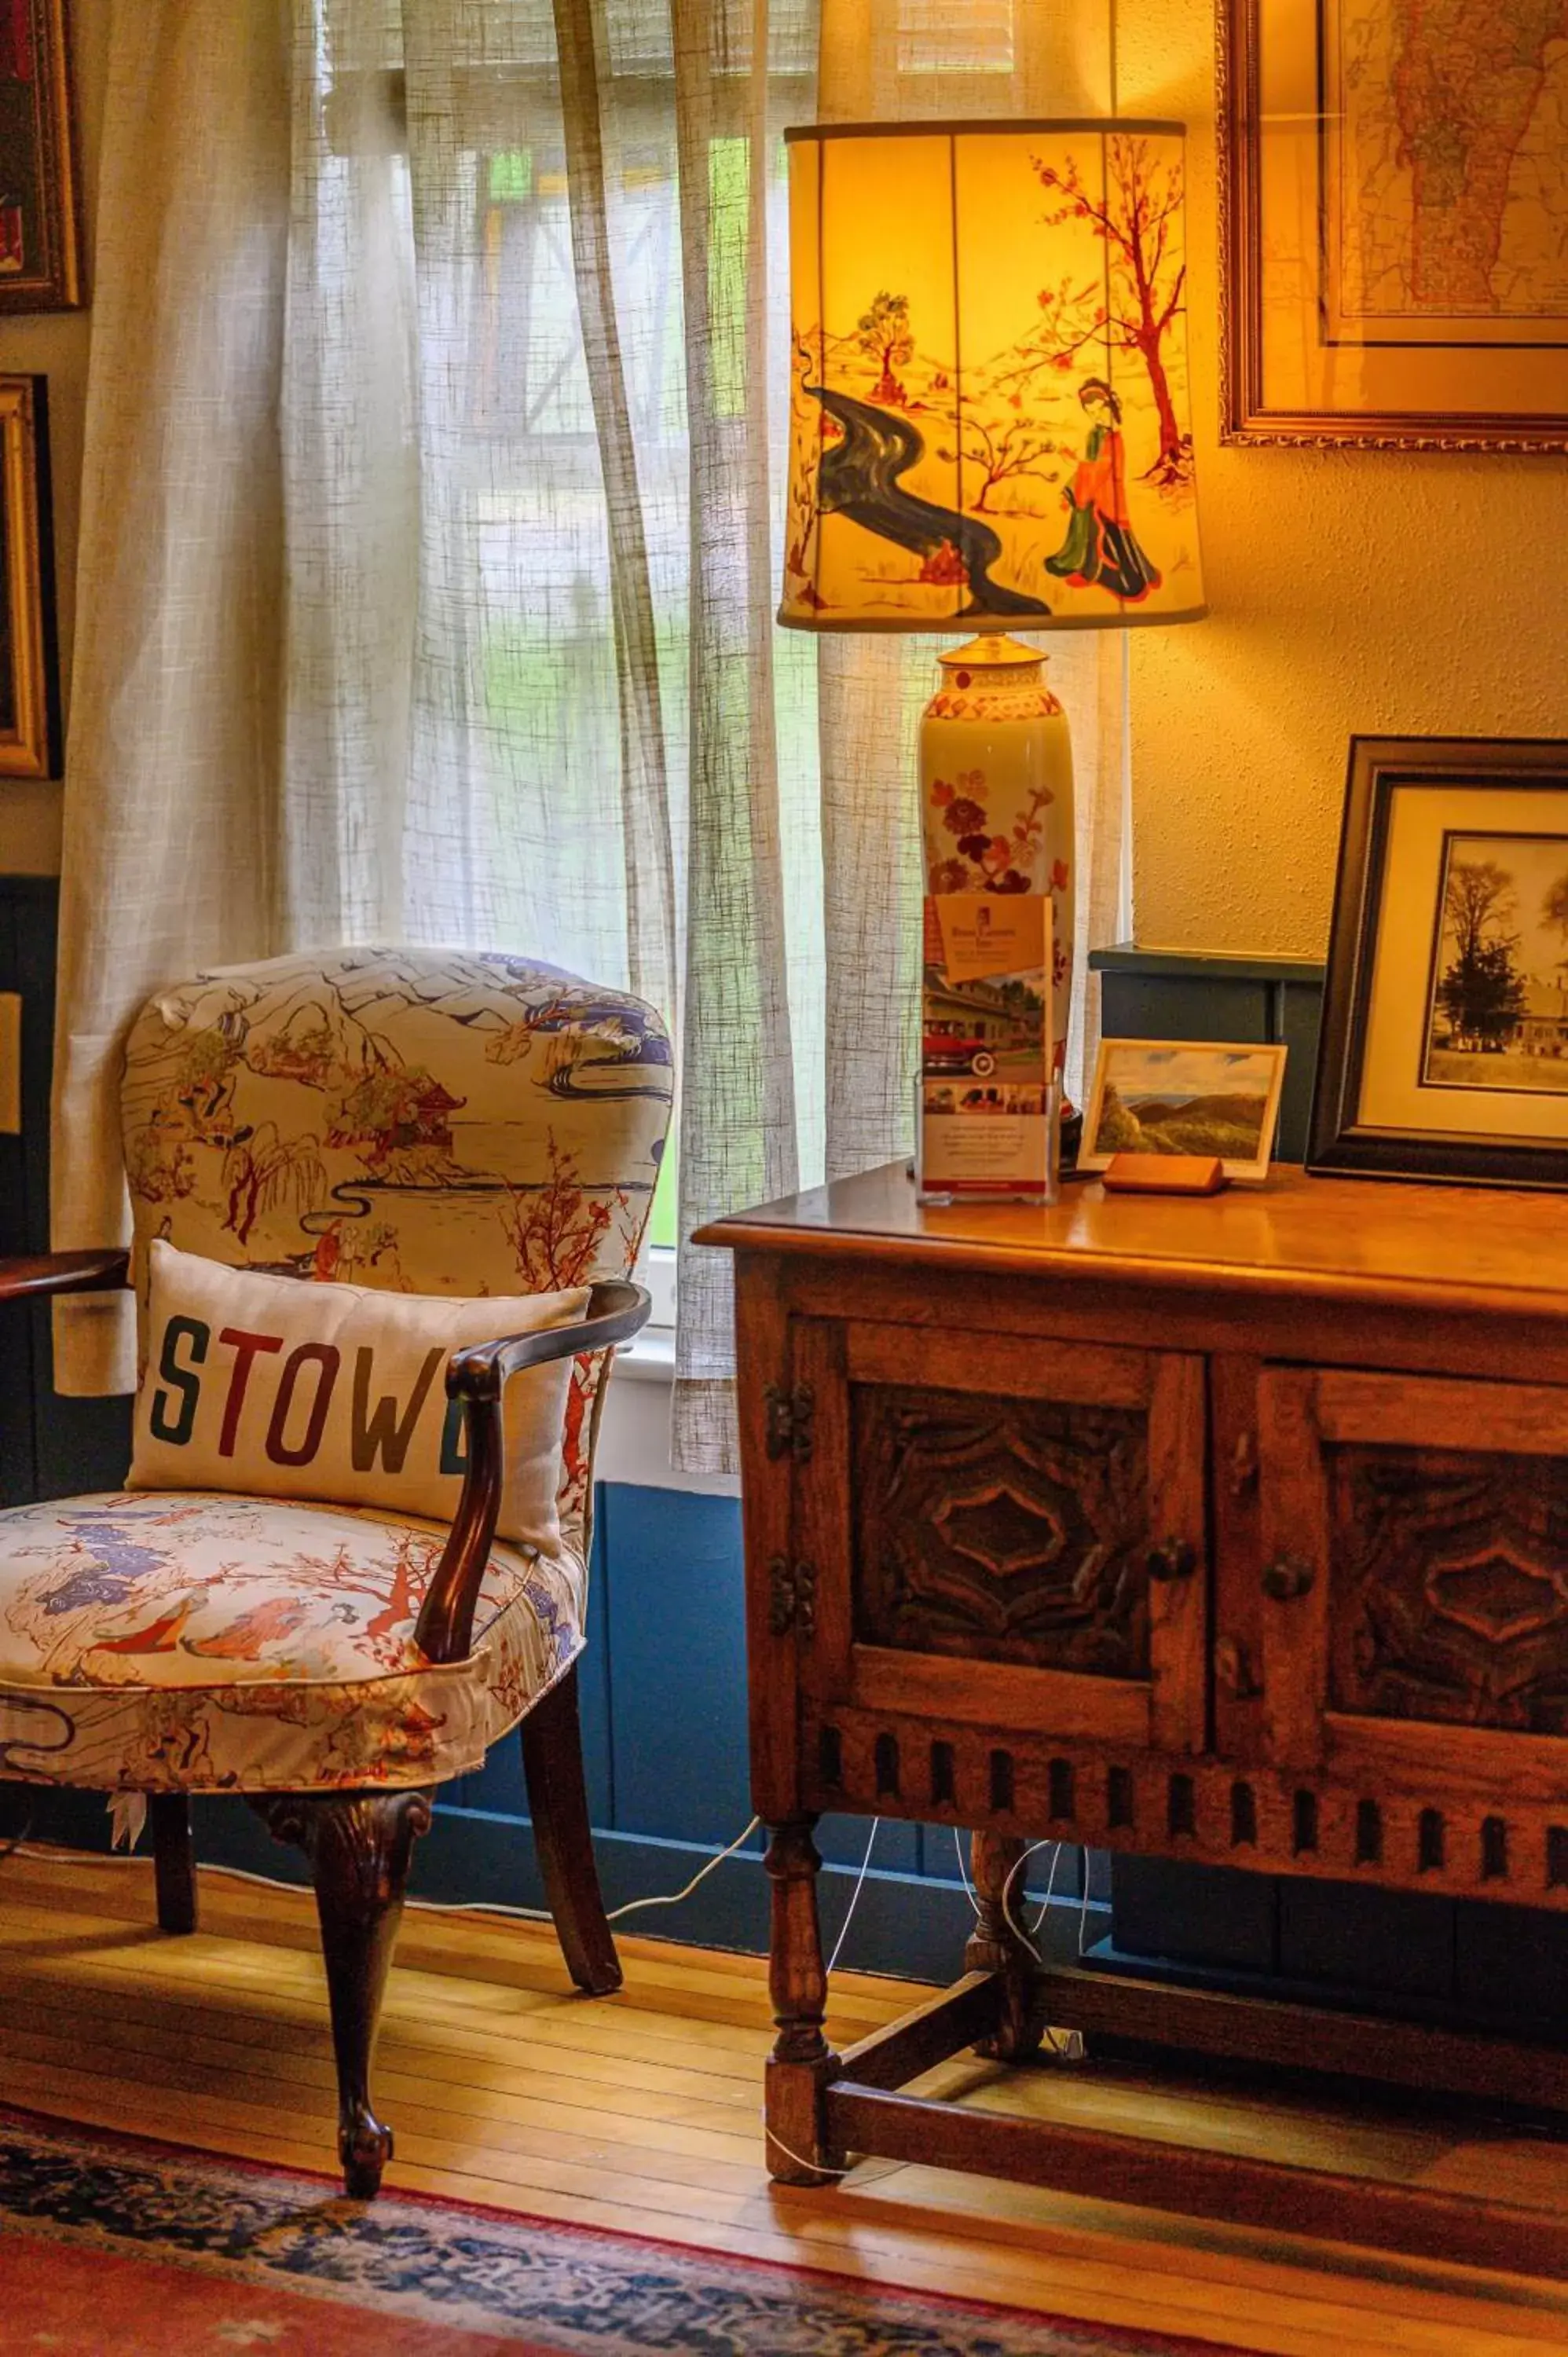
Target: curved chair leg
point(558, 1805)
point(359, 1845)
point(174, 1861)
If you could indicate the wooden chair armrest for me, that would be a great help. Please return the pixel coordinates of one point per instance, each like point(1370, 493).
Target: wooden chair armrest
point(28, 1276)
point(477, 1375)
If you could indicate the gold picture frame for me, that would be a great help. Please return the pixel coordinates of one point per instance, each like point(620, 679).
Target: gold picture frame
point(29, 671)
point(1374, 289)
point(1182, 1078)
point(40, 233)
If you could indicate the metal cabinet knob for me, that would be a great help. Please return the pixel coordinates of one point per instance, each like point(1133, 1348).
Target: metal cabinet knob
point(1288, 1578)
point(1177, 1559)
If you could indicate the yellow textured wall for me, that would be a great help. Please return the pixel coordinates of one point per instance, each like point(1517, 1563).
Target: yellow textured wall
point(1350, 592)
point(54, 344)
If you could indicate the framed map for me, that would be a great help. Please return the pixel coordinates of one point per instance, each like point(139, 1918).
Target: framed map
point(1394, 189)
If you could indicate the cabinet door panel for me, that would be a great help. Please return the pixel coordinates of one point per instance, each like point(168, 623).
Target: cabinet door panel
point(1430, 1519)
point(1005, 1531)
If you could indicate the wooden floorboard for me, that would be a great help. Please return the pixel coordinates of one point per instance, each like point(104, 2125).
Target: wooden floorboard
point(641, 2112)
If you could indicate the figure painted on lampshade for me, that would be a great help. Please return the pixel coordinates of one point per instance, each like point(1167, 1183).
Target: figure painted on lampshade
point(1100, 547)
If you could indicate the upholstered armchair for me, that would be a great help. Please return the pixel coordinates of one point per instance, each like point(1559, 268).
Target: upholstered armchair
point(425, 1123)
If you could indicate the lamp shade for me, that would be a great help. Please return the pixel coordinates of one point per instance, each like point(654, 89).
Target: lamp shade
point(989, 405)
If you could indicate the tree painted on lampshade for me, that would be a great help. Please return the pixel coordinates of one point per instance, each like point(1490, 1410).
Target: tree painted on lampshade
point(1136, 217)
point(989, 390)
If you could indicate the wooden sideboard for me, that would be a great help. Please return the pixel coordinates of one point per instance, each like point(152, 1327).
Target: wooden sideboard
point(1228, 1530)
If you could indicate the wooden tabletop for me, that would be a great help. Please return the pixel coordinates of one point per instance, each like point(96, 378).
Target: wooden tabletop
point(1353, 1239)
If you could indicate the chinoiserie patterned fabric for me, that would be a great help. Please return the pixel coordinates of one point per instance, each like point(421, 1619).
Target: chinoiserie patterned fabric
point(422, 1120)
point(196, 1642)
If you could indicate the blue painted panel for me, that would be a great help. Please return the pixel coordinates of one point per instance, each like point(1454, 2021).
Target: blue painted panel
point(842, 1841)
point(497, 1788)
point(676, 1652)
point(594, 1671)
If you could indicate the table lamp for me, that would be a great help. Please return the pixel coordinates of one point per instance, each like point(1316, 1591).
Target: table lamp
point(989, 433)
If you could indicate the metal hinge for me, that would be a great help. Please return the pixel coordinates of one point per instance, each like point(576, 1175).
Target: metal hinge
point(790, 1417)
point(792, 1596)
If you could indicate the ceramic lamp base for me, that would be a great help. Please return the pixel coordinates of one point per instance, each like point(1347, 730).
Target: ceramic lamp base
point(996, 809)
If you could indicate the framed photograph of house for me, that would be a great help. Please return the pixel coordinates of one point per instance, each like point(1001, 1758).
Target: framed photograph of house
point(1445, 1043)
point(29, 670)
point(1394, 240)
point(1185, 1097)
point(40, 246)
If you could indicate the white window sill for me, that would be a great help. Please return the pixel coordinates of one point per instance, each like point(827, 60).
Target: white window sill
point(650, 1359)
point(634, 1436)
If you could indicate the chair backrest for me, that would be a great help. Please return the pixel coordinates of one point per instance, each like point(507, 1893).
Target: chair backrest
point(427, 1121)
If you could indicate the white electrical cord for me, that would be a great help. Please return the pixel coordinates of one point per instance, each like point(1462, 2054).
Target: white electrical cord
point(963, 1873)
point(853, 1900)
point(1074, 2046)
point(674, 1897)
point(430, 1906)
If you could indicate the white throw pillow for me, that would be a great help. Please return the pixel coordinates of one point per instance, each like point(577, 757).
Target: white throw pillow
point(278, 1387)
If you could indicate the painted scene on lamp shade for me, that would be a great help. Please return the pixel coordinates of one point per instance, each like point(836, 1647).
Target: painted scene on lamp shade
point(989, 404)
point(1498, 1004)
point(1155, 1097)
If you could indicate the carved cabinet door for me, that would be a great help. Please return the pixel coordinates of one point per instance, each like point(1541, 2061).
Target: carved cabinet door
point(1415, 1579)
point(1004, 1531)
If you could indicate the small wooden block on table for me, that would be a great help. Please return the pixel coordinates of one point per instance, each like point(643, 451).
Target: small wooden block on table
point(1165, 1174)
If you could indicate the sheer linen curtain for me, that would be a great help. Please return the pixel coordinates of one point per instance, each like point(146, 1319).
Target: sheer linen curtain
point(430, 549)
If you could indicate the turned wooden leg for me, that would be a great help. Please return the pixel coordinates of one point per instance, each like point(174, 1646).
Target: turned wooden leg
point(802, 2062)
point(995, 1947)
point(558, 1805)
point(174, 1861)
point(359, 1845)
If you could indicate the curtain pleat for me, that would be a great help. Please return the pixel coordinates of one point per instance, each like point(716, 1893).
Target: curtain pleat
point(648, 854)
point(738, 1112)
point(171, 838)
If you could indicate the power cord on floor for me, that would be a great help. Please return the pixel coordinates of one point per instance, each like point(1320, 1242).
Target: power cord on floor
point(674, 1897)
point(854, 1896)
point(430, 1906)
point(773, 2136)
point(963, 1873)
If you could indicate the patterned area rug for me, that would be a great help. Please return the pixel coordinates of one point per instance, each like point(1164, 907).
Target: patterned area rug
point(177, 2252)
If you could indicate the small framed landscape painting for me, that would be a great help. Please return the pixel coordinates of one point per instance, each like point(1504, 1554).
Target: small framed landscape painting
point(1394, 186)
point(1445, 1043)
point(1202, 1097)
point(30, 683)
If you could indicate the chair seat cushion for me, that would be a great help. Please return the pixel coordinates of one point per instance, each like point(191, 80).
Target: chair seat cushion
point(185, 1640)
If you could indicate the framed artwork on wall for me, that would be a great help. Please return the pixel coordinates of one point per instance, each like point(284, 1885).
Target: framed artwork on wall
point(1445, 1041)
point(29, 670)
point(1394, 233)
point(41, 268)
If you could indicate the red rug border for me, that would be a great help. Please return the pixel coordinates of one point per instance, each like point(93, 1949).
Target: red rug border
point(1145, 2344)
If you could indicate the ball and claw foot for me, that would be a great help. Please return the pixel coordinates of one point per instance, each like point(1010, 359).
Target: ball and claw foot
point(364, 2147)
